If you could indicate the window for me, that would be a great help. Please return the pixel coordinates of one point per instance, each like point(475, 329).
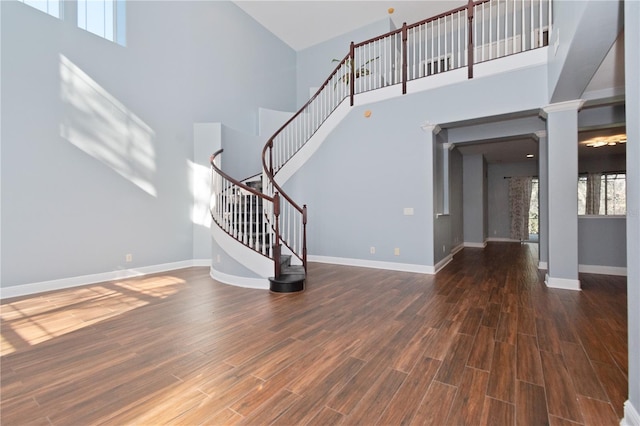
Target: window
point(104, 18)
point(612, 198)
point(52, 7)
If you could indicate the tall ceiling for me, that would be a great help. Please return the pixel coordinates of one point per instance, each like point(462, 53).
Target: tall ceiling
point(304, 23)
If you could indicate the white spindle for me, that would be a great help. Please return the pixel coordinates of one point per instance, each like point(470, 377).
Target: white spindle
point(498, 30)
point(522, 31)
point(459, 44)
point(491, 30)
point(540, 23)
point(550, 17)
point(446, 68)
point(531, 29)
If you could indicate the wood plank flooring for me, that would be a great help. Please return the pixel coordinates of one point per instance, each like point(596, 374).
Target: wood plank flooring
point(482, 342)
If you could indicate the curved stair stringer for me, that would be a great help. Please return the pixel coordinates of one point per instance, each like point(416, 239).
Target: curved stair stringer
point(343, 109)
point(311, 146)
point(260, 265)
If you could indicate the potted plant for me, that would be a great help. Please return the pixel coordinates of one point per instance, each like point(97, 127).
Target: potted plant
point(360, 71)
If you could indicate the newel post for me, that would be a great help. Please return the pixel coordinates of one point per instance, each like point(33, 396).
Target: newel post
point(352, 73)
point(271, 157)
point(404, 58)
point(470, 41)
point(304, 236)
point(276, 244)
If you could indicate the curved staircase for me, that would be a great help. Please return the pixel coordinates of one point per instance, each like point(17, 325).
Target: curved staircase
point(262, 217)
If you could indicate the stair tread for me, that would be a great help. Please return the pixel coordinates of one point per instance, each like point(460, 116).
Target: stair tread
point(288, 278)
point(293, 269)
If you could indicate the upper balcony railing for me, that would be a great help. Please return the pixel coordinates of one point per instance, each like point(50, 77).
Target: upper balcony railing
point(477, 32)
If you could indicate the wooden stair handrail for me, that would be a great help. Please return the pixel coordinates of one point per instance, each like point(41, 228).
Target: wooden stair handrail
point(235, 181)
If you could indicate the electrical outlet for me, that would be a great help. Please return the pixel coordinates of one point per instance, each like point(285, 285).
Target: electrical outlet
point(443, 248)
point(408, 211)
point(396, 251)
point(217, 258)
point(128, 258)
point(372, 250)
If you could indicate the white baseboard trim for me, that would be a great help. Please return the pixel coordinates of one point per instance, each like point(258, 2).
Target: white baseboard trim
point(456, 249)
point(444, 262)
point(237, 281)
point(475, 245)
point(605, 270)
point(631, 415)
point(562, 283)
point(502, 240)
point(391, 266)
point(543, 265)
point(40, 287)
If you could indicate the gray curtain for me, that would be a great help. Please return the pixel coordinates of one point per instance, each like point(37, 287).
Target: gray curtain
point(592, 201)
point(519, 202)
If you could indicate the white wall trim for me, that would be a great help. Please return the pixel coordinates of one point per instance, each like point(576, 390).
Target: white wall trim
point(444, 262)
point(562, 283)
point(502, 240)
point(530, 58)
point(475, 245)
point(391, 266)
point(43, 286)
point(543, 265)
point(605, 270)
point(237, 281)
point(631, 415)
point(574, 105)
point(456, 249)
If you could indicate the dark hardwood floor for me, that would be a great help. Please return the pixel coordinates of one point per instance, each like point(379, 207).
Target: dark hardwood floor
point(482, 342)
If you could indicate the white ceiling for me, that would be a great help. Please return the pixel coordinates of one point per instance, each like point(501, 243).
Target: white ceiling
point(304, 23)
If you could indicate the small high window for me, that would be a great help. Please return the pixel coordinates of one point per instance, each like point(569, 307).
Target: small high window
point(104, 18)
point(51, 7)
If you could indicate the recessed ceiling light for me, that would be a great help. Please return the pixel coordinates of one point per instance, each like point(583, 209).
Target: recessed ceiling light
point(529, 155)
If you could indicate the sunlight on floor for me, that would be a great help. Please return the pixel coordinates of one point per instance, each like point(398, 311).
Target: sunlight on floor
point(36, 319)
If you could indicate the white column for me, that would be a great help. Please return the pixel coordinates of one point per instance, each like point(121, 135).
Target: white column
point(632, 97)
point(543, 201)
point(562, 186)
point(431, 130)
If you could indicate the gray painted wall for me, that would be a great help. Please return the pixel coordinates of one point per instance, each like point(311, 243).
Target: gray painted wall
point(368, 170)
point(357, 185)
point(473, 198)
point(314, 64)
point(455, 198)
point(602, 241)
point(96, 137)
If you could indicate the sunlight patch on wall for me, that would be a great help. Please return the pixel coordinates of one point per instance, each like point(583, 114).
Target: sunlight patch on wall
point(201, 191)
point(101, 126)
